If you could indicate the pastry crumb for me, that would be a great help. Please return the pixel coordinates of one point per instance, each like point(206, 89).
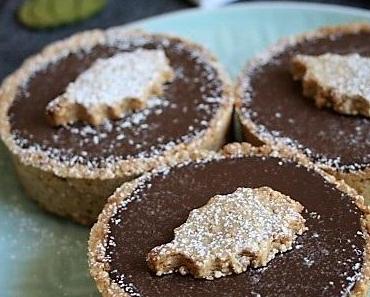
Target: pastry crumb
point(341, 82)
point(230, 233)
point(112, 87)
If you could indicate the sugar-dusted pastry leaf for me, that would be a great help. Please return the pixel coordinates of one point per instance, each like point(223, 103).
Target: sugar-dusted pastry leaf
point(112, 87)
point(40, 14)
point(340, 82)
point(232, 232)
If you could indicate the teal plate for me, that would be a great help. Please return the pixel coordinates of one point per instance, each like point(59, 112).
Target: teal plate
point(42, 255)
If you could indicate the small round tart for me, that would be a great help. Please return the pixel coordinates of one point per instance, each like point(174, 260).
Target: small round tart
point(331, 256)
point(71, 169)
point(272, 109)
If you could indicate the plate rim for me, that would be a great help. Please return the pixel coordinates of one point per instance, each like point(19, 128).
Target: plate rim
point(279, 5)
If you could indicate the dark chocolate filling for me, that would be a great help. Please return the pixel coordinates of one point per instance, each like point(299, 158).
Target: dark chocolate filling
point(279, 105)
point(187, 113)
point(326, 260)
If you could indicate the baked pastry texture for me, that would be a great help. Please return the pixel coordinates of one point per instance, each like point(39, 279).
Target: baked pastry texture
point(71, 169)
point(273, 109)
point(331, 256)
point(230, 234)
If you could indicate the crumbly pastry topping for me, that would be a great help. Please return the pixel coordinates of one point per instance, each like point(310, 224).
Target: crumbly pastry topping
point(230, 233)
point(338, 81)
point(111, 87)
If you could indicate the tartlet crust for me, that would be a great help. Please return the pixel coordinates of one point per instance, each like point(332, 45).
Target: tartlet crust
point(358, 175)
point(210, 138)
point(99, 266)
point(79, 191)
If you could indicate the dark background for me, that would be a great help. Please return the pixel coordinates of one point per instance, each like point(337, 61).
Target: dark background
point(16, 42)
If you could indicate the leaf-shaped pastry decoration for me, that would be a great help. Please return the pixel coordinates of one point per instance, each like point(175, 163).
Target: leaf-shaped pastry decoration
point(40, 14)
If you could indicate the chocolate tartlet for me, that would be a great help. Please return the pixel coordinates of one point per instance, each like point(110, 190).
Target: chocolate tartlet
point(71, 169)
point(272, 108)
point(329, 259)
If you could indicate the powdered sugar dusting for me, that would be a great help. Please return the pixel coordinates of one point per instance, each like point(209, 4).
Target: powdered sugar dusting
point(341, 81)
point(124, 76)
point(231, 232)
point(347, 74)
